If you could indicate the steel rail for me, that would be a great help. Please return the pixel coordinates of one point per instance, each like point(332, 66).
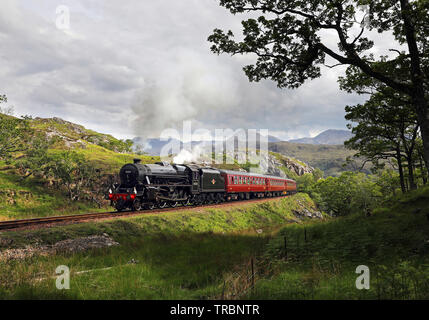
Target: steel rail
point(13, 224)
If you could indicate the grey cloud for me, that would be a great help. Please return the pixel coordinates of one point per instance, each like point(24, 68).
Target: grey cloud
point(143, 66)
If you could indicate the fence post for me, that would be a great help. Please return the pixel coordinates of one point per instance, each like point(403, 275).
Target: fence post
point(223, 290)
point(285, 247)
point(253, 278)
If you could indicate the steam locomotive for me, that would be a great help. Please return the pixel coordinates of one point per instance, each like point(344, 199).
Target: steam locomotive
point(149, 186)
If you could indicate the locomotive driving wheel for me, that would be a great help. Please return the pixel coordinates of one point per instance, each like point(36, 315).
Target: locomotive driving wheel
point(162, 204)
point(119, 205)
point(151, 206)
point(138, 205)
point(187, 202)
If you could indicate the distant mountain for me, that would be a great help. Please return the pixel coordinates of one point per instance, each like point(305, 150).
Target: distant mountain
point(154, 146)
point(331, 137)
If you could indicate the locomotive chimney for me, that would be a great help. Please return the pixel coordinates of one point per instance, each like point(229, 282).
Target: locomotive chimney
point(137, 160)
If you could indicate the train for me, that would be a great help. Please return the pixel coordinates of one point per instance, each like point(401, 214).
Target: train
point(160, 185)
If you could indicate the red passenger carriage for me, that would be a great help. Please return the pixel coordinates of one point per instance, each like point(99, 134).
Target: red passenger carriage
point(243, 185)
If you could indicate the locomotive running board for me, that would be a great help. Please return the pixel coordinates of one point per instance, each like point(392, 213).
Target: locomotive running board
point(170, 199)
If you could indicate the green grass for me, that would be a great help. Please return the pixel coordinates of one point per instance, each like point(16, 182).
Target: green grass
point(181, 255)
point(33, 197)
point(30, 198)
point(393, 243)
point(206, 253)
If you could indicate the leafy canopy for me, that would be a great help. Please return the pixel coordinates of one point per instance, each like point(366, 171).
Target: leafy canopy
point(287, 37)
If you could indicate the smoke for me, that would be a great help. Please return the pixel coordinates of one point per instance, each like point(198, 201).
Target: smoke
point(197, 154)
point(188, 88)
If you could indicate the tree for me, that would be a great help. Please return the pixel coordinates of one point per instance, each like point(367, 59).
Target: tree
point(36, 159)
point(14, 133)
point(72, 171)
point(386, 128)
point(287, 40)
point(348, 193)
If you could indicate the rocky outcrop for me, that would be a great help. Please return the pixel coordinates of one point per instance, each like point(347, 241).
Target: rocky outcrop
point(75, 135)
point(297, 167)
point(304, 211)
point(274, 166)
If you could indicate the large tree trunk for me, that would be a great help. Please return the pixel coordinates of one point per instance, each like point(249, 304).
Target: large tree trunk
point(417, 77)
point(422, 170)
point(401, 170)
point(423, 119)
point(411, 173)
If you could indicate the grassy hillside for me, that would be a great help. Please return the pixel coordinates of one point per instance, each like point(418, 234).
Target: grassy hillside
point(393, 243)
point(104, 150)
point(328, 158)
point(176, 255)
point(32, 198)
point(35, 197)
point(208, 254)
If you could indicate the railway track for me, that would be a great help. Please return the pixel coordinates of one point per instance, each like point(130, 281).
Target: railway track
point(15, 224)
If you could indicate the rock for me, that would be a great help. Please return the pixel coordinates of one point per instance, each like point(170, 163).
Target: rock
point(69, 245)
point(306, 213)
point(132, 261)
point(81, 244)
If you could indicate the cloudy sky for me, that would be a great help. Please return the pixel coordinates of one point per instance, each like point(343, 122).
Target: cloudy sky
point(133, 68)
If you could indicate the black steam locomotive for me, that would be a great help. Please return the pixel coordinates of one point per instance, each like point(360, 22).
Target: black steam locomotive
point(162, 184)
point(146, 186)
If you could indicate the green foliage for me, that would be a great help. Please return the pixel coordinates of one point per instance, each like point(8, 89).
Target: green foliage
point(348, 193)
point(73, 171)
point(322, 257)
point(36, 158)
point(34, 197)
point(13, 133)
point(388, 181)
point(385, 127)
point(285, 37)
point(305, 182)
